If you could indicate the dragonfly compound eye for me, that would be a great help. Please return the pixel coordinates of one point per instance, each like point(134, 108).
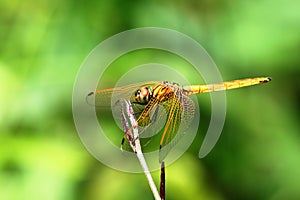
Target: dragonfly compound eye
point(143, 95)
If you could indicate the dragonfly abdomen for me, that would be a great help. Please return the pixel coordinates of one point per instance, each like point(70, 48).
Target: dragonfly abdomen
point(197, 89)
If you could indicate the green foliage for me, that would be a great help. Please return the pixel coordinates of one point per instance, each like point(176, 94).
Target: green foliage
point(43, 44)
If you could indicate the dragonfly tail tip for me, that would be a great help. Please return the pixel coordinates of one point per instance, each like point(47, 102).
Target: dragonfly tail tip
point(265, 80)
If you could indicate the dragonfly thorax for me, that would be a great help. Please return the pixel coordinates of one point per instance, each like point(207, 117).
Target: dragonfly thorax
point(161, 93)
point(143, 95)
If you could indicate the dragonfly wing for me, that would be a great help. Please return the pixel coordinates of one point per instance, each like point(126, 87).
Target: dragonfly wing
point(110, 100)
point(151, 119)
point(188, 109)
point(111, 96)
point(101, 98)
point(180, 114)
point(168, 140)
point(154, 122)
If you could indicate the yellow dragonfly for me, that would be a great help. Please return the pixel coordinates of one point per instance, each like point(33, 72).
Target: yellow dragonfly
point(146, 98)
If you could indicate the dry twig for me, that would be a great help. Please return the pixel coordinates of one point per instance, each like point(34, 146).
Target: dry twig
point(130, 128)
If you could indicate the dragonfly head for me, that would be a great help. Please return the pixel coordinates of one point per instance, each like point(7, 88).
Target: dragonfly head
point(143, 95)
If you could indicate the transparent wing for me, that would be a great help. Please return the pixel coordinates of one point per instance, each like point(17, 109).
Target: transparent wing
point(110, 99)
point(111, 96)
point(173, 115)
point(188, 108)
point(152, 124)
point(180, 114)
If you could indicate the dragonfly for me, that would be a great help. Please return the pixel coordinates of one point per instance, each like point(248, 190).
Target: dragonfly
point(149, 98)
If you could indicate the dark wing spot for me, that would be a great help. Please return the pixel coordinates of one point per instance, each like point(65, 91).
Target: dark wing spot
point(91, 93)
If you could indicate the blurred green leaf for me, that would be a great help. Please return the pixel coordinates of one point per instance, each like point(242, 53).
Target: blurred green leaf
point(43, 44)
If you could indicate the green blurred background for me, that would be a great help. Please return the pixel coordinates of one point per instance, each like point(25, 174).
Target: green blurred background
point(42, 45)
